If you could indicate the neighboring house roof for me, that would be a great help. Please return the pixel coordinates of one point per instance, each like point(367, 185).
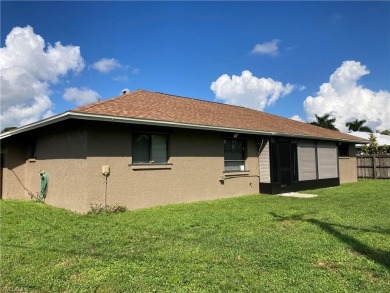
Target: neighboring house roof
point(152, 108)
point(382, 139)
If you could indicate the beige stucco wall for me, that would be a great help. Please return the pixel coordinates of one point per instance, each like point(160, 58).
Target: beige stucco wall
point(348, 166)
point(14, 171)
point(194, 171)
point(73, 156)
point(62, 154)
point(108, 145)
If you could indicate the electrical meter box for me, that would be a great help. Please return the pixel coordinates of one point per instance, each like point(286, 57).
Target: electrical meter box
point(105, 170)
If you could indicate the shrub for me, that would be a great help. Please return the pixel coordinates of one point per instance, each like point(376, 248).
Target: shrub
point(107, 209)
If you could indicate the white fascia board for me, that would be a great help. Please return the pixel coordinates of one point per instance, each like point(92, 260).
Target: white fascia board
point(34, 125)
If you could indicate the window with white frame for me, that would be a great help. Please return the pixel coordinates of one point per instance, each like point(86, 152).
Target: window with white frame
point(234, 154)
point(150, 148)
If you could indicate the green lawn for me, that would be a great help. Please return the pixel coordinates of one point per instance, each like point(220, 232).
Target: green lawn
point(336, 242)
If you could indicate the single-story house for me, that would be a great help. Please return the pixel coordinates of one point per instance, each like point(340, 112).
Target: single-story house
point(382, 139)
point(144, 148)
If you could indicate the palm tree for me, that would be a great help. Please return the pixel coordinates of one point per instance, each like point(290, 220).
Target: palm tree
point(357, 125)
point(325, 122)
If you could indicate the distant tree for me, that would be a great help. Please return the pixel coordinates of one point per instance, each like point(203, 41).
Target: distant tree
point(325, 122)
point(6, 129)
point(372, 148)
point(358, 125)
point(385, 132)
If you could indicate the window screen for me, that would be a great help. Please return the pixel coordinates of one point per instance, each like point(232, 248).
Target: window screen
point(150, 148)
point(234, 154)
point(327, 160)
point(307, 162)
point(159, 148)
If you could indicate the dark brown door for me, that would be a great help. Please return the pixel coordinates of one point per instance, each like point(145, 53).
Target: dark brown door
point(284, 150)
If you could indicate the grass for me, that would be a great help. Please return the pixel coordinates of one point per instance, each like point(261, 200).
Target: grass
point(338, 241)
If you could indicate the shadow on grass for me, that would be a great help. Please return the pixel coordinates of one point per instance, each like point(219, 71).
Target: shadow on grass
point(379, 256)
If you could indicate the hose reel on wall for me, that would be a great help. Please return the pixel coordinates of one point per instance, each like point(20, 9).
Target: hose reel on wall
point(44, 185)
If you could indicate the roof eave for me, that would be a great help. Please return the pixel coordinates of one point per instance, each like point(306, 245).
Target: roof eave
point(35, 125)
point(108, 118)
point(321, 137)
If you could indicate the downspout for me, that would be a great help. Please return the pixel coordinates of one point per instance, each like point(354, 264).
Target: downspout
point(105, 173)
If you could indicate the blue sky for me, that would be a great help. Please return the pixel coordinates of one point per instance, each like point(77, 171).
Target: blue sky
point(288, 50)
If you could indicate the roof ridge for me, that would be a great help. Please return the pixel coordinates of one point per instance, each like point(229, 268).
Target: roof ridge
point(90, 106)
point(246, 108)
point(205, 101)
point(224, 104)
point(145, 105)
point(195, 99)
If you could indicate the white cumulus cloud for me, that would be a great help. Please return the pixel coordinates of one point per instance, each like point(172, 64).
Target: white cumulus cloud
point(267, 48)
point(297, 118)
point(24, 114)
point(105, 65)
point(346, 100)
point(28, 69)
point(249, 91)
point(81, 96)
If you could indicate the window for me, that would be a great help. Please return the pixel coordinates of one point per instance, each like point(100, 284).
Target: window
point(235, 154)
point(150, 148)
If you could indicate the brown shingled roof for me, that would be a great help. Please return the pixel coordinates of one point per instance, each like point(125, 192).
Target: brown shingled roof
point(155, 106)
